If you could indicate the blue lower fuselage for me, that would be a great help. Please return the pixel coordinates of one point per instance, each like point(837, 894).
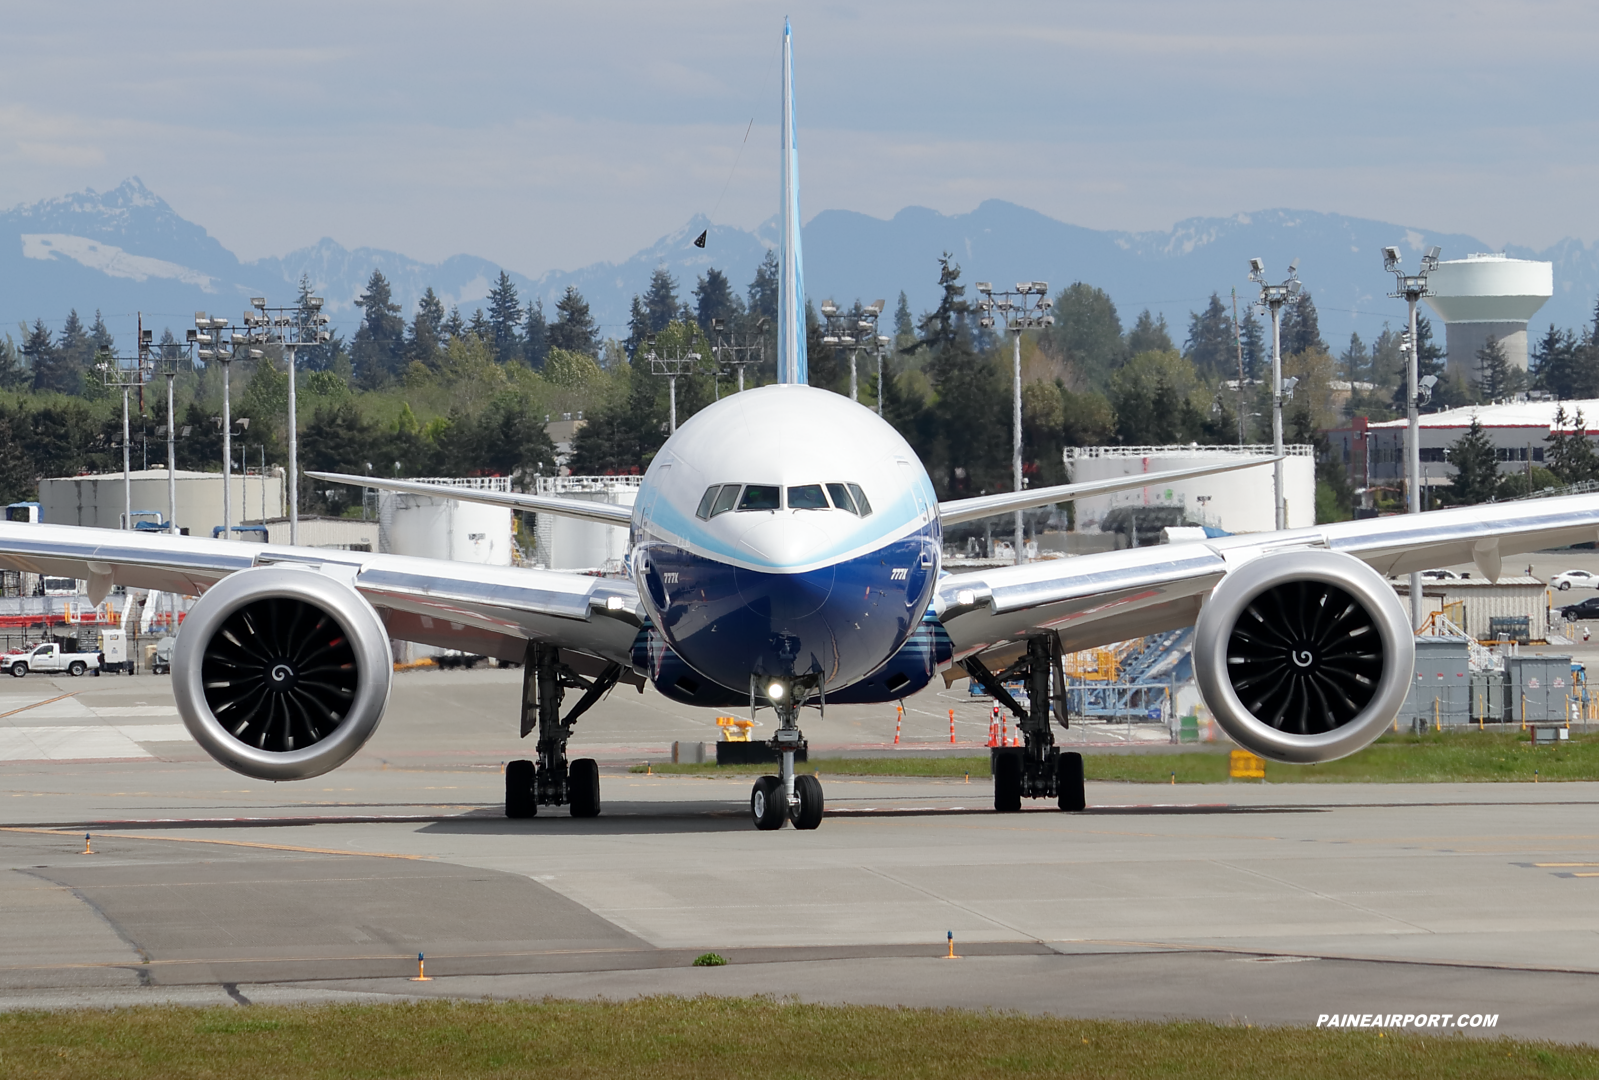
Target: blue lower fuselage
point(842, 620)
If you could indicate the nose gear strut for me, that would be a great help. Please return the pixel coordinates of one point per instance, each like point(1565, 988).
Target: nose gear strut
point(787, 797)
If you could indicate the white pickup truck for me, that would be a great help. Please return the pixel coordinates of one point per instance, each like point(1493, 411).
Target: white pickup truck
point(48, 658)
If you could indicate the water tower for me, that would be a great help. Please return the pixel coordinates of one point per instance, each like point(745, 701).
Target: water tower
point(1484, 295)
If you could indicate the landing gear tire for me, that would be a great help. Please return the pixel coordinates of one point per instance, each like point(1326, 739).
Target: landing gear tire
point(808, 814)
point(1007, 783)
point(1069, 781)
point(766, 803)
point(519, 799)
point(583, 786)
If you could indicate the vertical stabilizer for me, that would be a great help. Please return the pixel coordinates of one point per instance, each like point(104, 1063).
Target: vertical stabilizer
point(791, 365)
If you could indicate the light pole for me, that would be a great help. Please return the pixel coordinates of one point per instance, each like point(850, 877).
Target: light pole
point(1021, 309)
point(291, 328)
point(1274, 297)
point(209, 335)
point(728, 353)
point(853, 331)
point(125, 379)
point(169, 368)
point(1412, 287)
point(679, 363)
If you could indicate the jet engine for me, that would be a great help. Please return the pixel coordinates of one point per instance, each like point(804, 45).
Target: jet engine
point(1304, 656)
point(281, 673)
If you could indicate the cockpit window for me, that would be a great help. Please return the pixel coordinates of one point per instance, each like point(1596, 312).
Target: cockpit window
point(807, 497)
point(862, 507)
point(706, 501)
point(841, 498)
point(725, 501)
point(761, 497)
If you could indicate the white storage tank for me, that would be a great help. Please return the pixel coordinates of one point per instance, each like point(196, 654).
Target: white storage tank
point(1483, 295)
point(565, 543)
point(435, 527)
point(1235, 502)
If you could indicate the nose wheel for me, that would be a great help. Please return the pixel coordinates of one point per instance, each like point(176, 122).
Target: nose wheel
point(770, 805)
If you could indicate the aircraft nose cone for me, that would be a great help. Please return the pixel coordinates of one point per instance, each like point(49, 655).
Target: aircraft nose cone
point(781, 540)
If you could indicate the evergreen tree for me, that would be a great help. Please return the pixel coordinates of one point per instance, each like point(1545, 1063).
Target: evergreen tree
point(763, 290)
point(903, 326)
point(13, 375)
point(17, 479)
point(535, 335)
point(1301, 327)
point(50, 371)
point(1211, 346)
point(321, 356)
point(1087, 333)
point(379, 346)
point(505, 315)
point(1496, 377)
point(1476, 478)
point(574, 328)
point(1257, 354)
point(660, 300)
point(1355, 363)
point(100, 338)
point(1149, 334)
point(1570, 454)
point(714, 299)
point(942, 327)
point(480, 328)
point(1565, 366)
point(638, 325)
point(425, 336)
point(454, 326)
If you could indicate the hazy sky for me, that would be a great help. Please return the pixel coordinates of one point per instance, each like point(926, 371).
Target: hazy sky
point(550, 136)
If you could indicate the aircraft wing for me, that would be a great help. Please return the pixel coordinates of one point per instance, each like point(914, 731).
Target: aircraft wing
point(957, 511)
point(603, 513)
point(1115, 595)
point(492, 610)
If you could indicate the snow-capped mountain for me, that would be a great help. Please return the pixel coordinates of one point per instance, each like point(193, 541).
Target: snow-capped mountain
point(126, 250)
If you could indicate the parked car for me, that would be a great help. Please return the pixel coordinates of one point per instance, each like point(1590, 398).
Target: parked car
point(1587, 609)
point(1582, 579)
point(49, 657)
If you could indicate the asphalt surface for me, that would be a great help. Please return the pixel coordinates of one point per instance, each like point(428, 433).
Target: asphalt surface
point(1246, 902)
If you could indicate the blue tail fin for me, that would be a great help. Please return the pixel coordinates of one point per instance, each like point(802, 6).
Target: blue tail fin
point(791, 364)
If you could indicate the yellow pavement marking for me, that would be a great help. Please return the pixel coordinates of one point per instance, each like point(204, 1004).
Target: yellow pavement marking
point(36, 704)
point(223, 843)
point(1566, 864)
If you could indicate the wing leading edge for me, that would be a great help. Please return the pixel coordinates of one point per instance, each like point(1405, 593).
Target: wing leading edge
point(1115, 595)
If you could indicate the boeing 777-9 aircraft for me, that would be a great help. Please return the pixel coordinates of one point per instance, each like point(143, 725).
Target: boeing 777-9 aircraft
point(785, 554)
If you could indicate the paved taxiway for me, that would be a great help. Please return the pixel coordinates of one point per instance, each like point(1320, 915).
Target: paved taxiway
point(1271, 904)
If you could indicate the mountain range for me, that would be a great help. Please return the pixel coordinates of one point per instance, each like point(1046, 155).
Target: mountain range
point(127, 250)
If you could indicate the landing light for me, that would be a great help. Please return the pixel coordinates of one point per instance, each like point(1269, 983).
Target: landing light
point(775, 691)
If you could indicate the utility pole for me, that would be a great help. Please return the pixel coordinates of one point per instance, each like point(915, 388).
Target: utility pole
point(853, 331)
point(168, 361)
point(125, 377)
point(1021, 309)
point(208, 333)
point(1412, 287)
point(292, 328)
point(1274, 297)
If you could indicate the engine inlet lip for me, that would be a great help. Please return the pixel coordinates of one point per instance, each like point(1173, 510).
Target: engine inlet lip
point(1213, 633)
point(353, 614)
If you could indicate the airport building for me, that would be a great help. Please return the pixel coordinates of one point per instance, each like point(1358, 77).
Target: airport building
point(1484, 296)
point(1234, 502)
point(1374, 454)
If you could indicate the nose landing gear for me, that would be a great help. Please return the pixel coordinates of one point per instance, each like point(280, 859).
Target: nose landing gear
point(776, 799)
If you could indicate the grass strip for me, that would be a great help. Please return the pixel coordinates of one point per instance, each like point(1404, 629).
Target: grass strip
point(1434, 757)
point(707, 1038)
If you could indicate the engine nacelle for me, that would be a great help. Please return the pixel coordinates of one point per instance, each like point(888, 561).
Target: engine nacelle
point(281, 673)
point(1304, 656)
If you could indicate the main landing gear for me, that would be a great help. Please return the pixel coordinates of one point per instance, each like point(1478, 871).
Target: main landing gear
point(554, 781)
point(776, 799)
point(1037, 769)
